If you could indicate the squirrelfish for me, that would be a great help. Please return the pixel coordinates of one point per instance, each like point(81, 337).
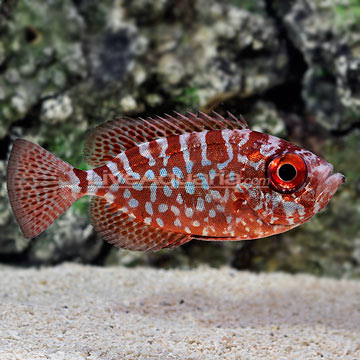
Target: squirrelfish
point(161, 182)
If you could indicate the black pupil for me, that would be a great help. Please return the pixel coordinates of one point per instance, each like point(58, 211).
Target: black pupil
point(287, 172)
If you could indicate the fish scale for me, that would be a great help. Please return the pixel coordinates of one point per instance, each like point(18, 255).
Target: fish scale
point(161, 182)
point(179, 158)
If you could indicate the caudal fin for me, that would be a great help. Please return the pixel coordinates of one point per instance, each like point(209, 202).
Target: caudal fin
point(35, 182)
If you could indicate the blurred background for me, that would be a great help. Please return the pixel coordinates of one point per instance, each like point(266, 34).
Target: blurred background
point(291, 68)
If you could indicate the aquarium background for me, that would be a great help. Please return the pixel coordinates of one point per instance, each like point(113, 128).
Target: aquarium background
point(291, 68)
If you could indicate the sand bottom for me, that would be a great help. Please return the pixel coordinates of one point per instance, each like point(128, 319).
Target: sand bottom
point(82, 312)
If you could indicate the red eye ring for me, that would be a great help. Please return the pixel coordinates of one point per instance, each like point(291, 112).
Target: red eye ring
point(287, 173)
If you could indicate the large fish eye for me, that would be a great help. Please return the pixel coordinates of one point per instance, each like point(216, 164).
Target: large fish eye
point(287, 173)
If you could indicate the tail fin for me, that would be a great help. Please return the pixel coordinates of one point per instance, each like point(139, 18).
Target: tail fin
point(35, 182)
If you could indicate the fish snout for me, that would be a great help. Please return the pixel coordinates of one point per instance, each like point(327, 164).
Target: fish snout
point(328, 185)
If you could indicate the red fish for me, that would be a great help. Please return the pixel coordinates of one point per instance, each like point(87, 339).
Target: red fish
point(164, 181)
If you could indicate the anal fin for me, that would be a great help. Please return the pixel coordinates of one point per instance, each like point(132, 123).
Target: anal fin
point(123, 231)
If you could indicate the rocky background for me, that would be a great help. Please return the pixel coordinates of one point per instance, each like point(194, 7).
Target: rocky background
point(292, 68)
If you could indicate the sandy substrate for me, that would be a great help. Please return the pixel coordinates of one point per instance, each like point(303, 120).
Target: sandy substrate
point(81, 312)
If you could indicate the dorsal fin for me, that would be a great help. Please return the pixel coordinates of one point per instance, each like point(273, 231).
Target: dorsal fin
point(123, 231)
point(109, 139)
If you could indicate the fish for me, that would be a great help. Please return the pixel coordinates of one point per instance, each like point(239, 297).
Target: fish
point(161, 182)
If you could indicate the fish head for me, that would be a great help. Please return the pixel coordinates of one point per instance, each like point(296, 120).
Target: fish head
point(293, 184)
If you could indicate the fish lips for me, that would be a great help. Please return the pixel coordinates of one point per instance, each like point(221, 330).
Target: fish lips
point(329, 183)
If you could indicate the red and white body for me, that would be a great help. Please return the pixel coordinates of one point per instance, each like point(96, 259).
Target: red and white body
point(210, 184)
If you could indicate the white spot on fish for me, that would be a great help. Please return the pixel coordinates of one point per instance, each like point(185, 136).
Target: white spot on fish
point(242, 159)
point(163, 172)
point(190, 188)
point(150, 175)
point(149, 209)
point(290, 208)
point(124, 159)
point(252, 193)
point(245, 138)
point(177, 172)
point(163, 208)
point(145, 152)
point(196, 223)
point(179, 199)
point(271, 147)
point(153, 188)
point(204, 184)
point(187, 230)
point(186, 154)
point(114, 188)
point(175, 210)
point(94, 179)
point(200, 205)
point(226, 195)
point(147, 221)
point(137, 186)
point(112, 167)
point(174, 183)
point(212, 213)
point(109, 197)
point(256, 165)
point(215, 194)
point(212, 174)
point(133, 203)
point(163, 143)
point(177, 223)
point(115, 171)
point(274, 199)
point(189, 212)
point(160, 222)
point(127, 193)
point(202, 139)
point(167, 191)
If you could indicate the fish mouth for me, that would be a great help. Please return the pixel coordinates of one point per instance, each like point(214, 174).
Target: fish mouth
point(329, 183)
